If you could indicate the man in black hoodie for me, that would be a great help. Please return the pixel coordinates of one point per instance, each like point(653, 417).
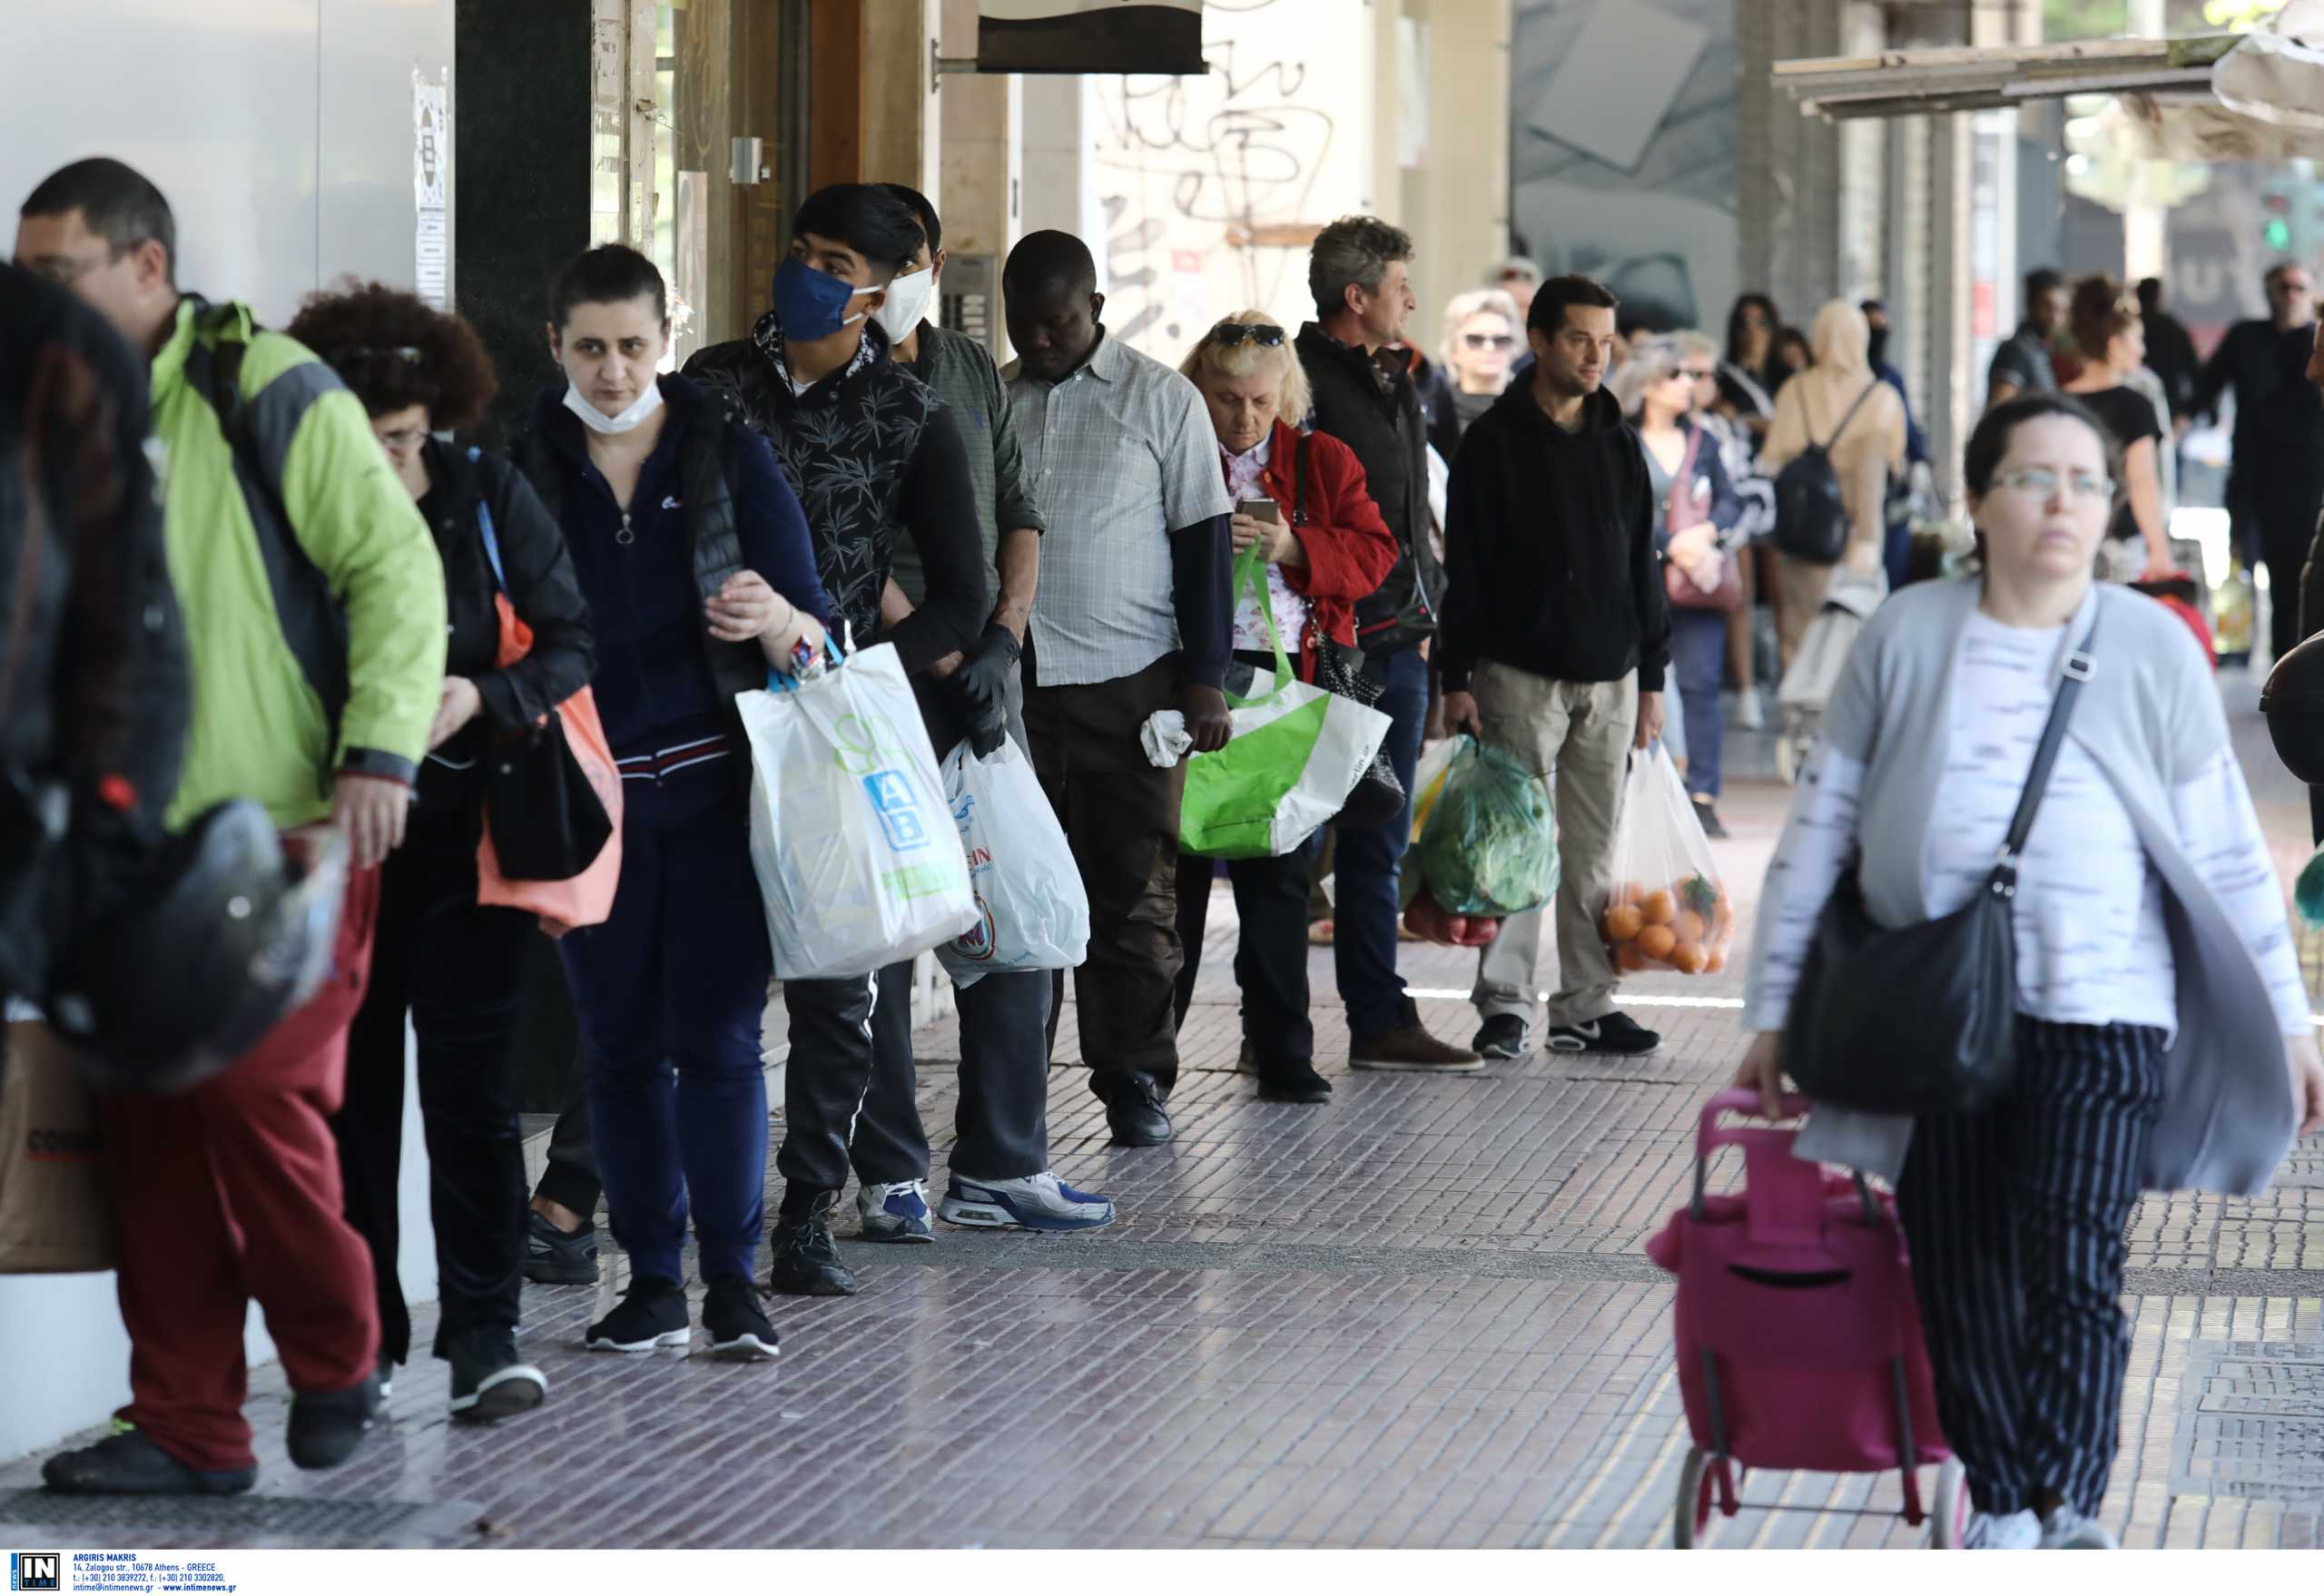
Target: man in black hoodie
point(1556, 635)
point(875, 457)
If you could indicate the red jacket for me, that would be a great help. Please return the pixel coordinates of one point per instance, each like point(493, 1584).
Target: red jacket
point(1350, 550)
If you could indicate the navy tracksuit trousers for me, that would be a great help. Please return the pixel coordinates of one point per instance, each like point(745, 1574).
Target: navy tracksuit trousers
point(672, 993)
point(2016, 1216)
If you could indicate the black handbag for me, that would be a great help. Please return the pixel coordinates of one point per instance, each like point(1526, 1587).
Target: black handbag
point(546, 822)
point(1923, 1019)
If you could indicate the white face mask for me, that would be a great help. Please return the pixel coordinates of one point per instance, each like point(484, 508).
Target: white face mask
point(908, 300)
point(597, 420)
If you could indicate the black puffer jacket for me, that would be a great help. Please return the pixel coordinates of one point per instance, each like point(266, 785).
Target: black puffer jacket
point(1369, 404)
point(467, 486)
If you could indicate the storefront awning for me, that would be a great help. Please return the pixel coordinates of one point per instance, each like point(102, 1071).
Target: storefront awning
point(1924, 83)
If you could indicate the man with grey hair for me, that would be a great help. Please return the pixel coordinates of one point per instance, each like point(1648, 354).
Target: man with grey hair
point(1364, 395)
point(1518, 278)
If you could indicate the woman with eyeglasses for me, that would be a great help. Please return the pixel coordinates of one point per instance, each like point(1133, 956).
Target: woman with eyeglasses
point(1300, 499)
point(1482, 334)
point(453, 966)
point(2163, 1037)
point(2112, 338)
point(1696, 511)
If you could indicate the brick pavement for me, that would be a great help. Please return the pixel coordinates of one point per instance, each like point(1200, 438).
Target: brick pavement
point(1416, 1317)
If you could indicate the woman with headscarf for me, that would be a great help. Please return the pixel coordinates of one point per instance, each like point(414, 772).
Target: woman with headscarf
point(1839, 404)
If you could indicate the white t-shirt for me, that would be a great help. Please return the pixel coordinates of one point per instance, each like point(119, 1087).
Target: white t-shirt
point(2092, 945)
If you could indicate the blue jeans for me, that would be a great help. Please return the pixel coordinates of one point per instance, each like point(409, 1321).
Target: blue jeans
point(671, 992)
point(1366, 864)
point(1698, 664)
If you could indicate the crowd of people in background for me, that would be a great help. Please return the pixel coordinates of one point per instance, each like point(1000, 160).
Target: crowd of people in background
point(1532, 536)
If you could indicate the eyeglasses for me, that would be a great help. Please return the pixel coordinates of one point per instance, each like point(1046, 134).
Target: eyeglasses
point(1227, 335)
point(2034, 482)
point(65, 273)
point(1490, 341)
point(403, 438)
point(1698, 374)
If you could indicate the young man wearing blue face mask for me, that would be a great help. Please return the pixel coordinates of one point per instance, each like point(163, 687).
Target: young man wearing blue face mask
point(876, 459)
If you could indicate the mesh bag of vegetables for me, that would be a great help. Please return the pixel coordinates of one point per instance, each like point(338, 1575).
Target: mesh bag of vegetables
point(1491, 844)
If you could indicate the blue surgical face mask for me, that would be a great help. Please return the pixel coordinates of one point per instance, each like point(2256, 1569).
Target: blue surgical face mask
point(810, 304)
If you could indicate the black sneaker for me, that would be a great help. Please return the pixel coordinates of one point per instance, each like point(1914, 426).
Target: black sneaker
point(1293, 1083)
point(1612, 1033)
point(1505, 1036)
point(652, 1313)
point(806, 1260)
point(487, 1381)
point(735, 1322)
point(1707, 818)
point(327, 1426)
point(554, 1259)
point(130, 1463)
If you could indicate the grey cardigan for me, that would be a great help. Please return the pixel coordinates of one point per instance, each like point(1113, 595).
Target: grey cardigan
point(2151, 719)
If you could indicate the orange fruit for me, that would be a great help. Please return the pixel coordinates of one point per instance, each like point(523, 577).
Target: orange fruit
point(1656, 942)
point(1660, 908)
point(1691, 926)
point(1623, 923)
point(1630, 893)
point(1714, 961)
point(1690, 959)
point(1629, 959)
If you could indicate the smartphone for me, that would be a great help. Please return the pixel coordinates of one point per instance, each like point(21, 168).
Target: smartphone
point(1261, 509)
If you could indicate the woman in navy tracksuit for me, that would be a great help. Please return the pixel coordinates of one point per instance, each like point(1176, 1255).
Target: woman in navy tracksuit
point(695, 561)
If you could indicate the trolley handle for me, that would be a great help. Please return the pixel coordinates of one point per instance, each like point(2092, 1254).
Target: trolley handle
point(1710, 1136)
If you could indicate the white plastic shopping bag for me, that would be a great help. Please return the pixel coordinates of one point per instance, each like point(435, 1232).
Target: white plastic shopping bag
point(858, 864)
point(1032, 912)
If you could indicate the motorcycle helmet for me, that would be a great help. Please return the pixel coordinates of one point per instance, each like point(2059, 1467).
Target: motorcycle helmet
point(2293, 702)
point(228, 934)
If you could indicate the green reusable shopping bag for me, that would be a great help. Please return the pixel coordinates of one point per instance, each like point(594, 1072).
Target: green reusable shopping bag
point(1239, 802)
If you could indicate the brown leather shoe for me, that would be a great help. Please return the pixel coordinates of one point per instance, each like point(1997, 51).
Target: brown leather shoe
point(1411, 1048)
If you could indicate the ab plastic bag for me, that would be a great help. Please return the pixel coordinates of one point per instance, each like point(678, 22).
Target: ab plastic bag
point(1428, 779)
point(1491, 844)
point(1031, 911)
point(859, 864)
point(1669, 909)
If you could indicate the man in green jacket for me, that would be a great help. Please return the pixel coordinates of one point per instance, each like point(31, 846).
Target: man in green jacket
point(313, 604)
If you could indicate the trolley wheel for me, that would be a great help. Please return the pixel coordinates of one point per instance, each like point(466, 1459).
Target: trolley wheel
point(1949, 1515)
point(1698, 1480)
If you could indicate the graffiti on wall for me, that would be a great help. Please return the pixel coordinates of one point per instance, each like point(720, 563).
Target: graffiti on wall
point(1210, 189)
point(1623, 154)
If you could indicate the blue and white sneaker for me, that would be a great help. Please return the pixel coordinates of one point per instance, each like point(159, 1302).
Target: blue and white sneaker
point(896, 1212)
point(1036, 1202)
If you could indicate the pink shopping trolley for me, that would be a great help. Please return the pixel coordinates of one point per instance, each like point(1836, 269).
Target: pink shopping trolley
point(1798, 1340)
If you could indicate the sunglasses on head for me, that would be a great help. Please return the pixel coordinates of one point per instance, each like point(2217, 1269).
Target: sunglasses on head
point(1228, 334)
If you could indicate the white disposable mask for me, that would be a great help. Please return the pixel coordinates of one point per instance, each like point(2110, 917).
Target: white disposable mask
point(907, 302)
point(597, 420)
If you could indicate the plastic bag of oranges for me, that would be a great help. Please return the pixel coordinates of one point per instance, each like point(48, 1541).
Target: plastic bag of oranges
point(1669, 909)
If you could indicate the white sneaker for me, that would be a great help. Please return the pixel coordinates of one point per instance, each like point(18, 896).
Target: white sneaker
point(1036, 1202)
point(1749, 715)
point(894, 1212)
point(2005, 1531)
point(2066, 1530)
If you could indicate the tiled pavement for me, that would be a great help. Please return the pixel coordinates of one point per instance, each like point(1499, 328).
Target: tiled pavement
point(1416, 1317)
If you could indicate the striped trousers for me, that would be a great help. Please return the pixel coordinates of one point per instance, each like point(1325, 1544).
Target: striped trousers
point(2016, 1218)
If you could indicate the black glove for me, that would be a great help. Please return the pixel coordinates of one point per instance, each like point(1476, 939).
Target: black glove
point(978, 690)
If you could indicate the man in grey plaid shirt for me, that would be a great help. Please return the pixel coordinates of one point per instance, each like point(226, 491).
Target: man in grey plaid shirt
point(1134, 615)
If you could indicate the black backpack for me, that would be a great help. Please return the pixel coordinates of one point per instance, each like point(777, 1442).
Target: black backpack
point(1811, 518)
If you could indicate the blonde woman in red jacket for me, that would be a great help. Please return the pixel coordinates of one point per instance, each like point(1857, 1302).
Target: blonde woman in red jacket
point(1326, 545)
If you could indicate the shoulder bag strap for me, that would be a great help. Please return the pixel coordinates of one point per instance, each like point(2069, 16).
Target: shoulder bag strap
point(1681, 478)
point(1853, 408)
point(2079, 667)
